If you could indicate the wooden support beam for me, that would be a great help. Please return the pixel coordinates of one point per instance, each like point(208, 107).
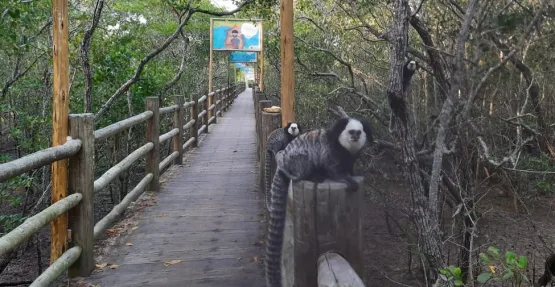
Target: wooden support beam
point(178, 122)
point(206, 116)
point(321, 218)
point(193, 115)
point(268, 123)
point(81, 180)
point(287, 63)
point(60, 110)
point(153, 136)
point(262, 140)
point(261, 56)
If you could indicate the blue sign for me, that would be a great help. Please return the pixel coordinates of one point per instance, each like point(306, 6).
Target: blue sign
point(242, 57)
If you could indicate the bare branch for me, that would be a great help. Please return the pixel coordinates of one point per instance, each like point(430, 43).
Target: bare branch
point(85, 55)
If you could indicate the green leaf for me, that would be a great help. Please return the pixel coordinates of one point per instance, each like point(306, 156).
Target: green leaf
point(484, 277)
point(493, 251)
point(457, 271)
point(510, 256)
point(522, 262)
point(459, 282)
point(508, 275)
point(485, 258)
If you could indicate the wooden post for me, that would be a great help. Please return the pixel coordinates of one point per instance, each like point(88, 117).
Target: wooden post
point(205, 118)
point(321, 218)
point(60, 107)
point(261, 140)
point(210, 62)
point(178, 122)
point(193, 115)
point(287, 68)
point(81, 180)
point(261, 57)
point(152, 135)
point(269, 122)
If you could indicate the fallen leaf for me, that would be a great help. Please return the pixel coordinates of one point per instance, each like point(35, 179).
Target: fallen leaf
point(101, 265)
point(112, 231)
point(134, 228)
point(163, 215)
point(239, 258)
point(255, 259)
point(172, 262)
point(129, 244)
point(114, 266)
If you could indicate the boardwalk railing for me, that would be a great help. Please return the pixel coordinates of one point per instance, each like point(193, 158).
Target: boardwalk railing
point(78, 259)
point(322, 243)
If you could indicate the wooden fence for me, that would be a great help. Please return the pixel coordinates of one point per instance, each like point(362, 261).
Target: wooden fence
point(78, 258)
point(322, 243)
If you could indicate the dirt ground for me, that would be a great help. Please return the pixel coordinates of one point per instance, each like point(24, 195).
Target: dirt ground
point(526, 232)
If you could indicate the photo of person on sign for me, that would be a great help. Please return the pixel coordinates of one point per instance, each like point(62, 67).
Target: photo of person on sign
point(234, 38)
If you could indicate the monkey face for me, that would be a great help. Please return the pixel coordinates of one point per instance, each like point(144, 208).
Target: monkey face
point(353, 137)
point(293, 129)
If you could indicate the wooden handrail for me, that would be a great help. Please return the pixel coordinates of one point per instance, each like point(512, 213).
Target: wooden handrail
point(58, 267)
point(121, 125)
point(189, 124)
point(80, 150)
point(118, 210)
point(168, 135)
point(169, 109)
point(202, 129)
point(24, 231)
point(168, 160)
point(123, 165)
point(38, 159)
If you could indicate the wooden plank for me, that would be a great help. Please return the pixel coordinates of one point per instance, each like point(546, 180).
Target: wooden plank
point(287, 63)
point(334, 270)
point(81, 181)
point(178, 122)
point(152, 136)
point(60, 130)
point(212, 222)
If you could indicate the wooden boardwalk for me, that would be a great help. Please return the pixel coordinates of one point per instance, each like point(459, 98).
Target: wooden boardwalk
point(207, 216)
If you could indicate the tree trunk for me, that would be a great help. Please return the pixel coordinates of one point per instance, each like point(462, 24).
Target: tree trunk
point(428, 229)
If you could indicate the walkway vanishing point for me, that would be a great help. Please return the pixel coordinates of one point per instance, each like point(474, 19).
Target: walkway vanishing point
point(208, 215)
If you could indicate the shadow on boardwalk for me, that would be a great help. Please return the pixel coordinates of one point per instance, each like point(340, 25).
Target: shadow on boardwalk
point(207, 215)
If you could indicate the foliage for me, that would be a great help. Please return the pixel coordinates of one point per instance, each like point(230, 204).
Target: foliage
point(509, 268)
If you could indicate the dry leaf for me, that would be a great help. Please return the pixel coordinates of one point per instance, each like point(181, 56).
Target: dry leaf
point(255, 259)
point(134, 228)
point(172, 262)
point(114, 266)
point(112, 231)
point(101, 265)
point(129, 244)
point(163, 215)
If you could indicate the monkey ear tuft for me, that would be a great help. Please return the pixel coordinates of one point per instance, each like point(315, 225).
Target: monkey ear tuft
point(367, 130)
